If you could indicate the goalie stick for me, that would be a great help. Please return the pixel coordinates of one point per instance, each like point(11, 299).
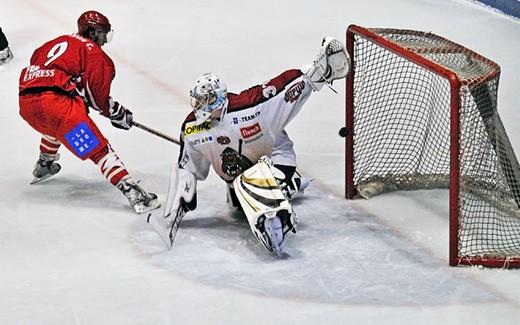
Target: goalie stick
point(160, 222)
point(160, 225)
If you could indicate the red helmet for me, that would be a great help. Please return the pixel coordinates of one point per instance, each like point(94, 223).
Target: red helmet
point(92, 19)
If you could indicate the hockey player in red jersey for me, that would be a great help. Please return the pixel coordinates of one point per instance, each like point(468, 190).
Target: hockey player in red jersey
point(66, 77)
point(232, 132)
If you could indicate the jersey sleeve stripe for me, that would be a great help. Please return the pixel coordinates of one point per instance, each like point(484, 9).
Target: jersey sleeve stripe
point(261, 93)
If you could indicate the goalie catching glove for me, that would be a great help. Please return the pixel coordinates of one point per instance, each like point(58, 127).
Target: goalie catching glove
point(332, 63)
point(120, 116)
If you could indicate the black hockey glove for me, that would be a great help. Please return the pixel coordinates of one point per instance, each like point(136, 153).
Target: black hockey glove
point(120, 117)
point(5, 56)
point(5, 52)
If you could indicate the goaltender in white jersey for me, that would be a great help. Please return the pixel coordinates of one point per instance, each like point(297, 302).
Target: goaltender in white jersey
point(250, 123)
point(242, 137)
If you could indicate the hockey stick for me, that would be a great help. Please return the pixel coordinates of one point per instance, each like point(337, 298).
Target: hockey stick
point(165, 231)
point(155, 132)
point(160, 223)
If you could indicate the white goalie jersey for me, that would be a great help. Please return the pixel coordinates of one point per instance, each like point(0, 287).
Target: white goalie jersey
point(252, 126)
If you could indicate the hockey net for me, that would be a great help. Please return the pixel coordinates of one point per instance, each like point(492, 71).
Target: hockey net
point(423, 111)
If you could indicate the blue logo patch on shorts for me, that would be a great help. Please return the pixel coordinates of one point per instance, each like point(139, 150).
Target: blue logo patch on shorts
point(82, 139)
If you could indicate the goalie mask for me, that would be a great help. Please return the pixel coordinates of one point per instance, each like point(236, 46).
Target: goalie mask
point(207, 95)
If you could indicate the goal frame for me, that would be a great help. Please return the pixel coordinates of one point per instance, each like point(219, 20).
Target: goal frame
point(455, 105)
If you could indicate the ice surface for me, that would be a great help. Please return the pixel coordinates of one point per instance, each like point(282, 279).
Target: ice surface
point(331, 258)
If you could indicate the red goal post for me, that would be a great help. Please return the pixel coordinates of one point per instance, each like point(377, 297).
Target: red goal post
point(421, 112)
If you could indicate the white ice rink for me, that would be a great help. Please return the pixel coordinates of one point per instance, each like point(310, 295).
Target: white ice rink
point(72, 251)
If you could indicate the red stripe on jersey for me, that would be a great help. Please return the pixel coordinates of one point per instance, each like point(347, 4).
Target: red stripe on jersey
point(188, 119)
point(261, 93)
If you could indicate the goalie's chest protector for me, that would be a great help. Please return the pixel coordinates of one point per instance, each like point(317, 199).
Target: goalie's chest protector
point(243, 131)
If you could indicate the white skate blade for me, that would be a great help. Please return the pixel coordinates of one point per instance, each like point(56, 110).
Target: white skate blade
point(141, 208)
point(305, 182)
point(37, 180)
point(161, 227)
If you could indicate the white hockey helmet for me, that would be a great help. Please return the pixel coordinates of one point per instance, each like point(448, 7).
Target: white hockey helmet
point(207, 95)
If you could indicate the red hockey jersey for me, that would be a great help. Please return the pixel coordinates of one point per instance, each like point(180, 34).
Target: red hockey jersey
point(68, 63)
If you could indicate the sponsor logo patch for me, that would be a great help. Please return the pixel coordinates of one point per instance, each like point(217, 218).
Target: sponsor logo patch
point(194, 129)
point(34, 71)
point(201, 140)
point(253, 139)
point(250, 117)
point(223, 140)
point(82, 139)
point(294, 92)
point(268, 91)
point(250, 131)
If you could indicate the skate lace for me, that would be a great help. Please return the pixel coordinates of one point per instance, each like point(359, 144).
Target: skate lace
point(45, 166)
point(46, 161)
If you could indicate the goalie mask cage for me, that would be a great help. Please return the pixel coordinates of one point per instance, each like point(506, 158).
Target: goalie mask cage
point(422, 114)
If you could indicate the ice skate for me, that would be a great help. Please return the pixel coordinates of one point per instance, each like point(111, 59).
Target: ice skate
point(138, 198)
point(45, 167)
point(296, 188)
point(274, 231)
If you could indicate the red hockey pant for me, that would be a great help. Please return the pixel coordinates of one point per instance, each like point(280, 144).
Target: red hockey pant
point(66, 119)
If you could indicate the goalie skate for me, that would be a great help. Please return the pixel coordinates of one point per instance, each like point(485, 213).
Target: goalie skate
point(267, 209)
point(274, 233)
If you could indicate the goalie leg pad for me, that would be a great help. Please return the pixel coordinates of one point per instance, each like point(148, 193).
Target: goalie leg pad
point(269, 213)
